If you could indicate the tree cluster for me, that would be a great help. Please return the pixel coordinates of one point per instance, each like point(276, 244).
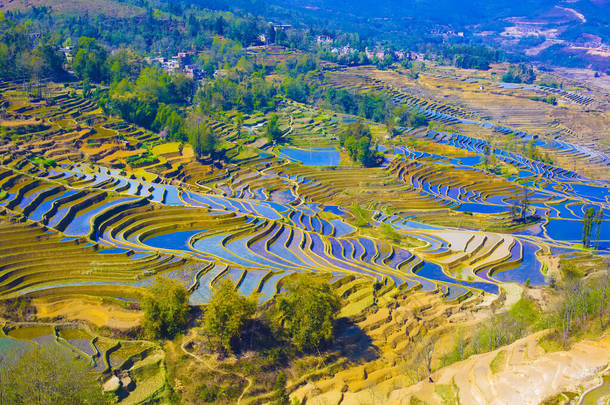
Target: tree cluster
point(520, 73)
point(202, 138)
point(592, 226)
point(374, 106)
point(253, 93)
point(22, 56)
point(409, 117)
point(471, 56)
point(149, 101)
point(165, 309)
point(357, 141)
point(303, 314)
point(273, 130)
point(306, 312)
point(226, 314)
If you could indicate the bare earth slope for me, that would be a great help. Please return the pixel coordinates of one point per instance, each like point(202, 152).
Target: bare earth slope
point(520, 373)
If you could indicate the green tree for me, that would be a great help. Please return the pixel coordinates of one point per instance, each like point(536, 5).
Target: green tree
point(239, 123)
point(591, 226)
point(89, 62)
point(407, 116)
point(295, 89)
point(525, 312)
point(182, 86)
point(155, 85)
point(357, 141)
point(124, 64)
point(226, 314)
point(165, 309)
point(54, 60)
point(520, 207)
point(170, 123)
point(520, 73)
point(597, 223)
point(202, 139)
point(306, 312)
point(47, 375)
point(274, 133)
point(587, 226)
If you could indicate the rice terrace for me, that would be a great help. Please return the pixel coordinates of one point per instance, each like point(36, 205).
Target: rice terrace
point(287, 212)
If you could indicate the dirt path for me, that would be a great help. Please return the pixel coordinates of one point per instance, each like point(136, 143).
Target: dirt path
point(200, 359)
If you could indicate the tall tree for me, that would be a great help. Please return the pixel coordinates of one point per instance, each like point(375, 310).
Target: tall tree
point(274, 133)
point(306, 312)
point(89, 63)
point(597, 223)
point(202, 138)
point(587, 226)
point(226, 314)
point(165, 309)
point(357, 141)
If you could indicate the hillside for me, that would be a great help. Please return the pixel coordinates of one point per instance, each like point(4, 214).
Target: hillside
point(558, 32)
point(251, 204)
point(77, 7)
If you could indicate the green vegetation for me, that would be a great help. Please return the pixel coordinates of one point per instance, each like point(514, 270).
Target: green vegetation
point(46, 163)
point(520, 73)
point(583, 310)
point(409, 117)
point(225, 315)
point(273, 131)
point(253, 93)
point(306, 312)
point(361, 215)
point(202, 138)
point(280, 396)
point(591, 226)
point(448, 393)
point(90, 61)
point(531, 151)
point(497, 363)
point(371, 105)
point(500, 330)
point(548, 99)
point(160, 122)
point(357, 140)
point(165, 309)
point(471, 56)
point(47, 375)
point(143, 102)
point(21, 56)
point(144, 159)
point(553, 85)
